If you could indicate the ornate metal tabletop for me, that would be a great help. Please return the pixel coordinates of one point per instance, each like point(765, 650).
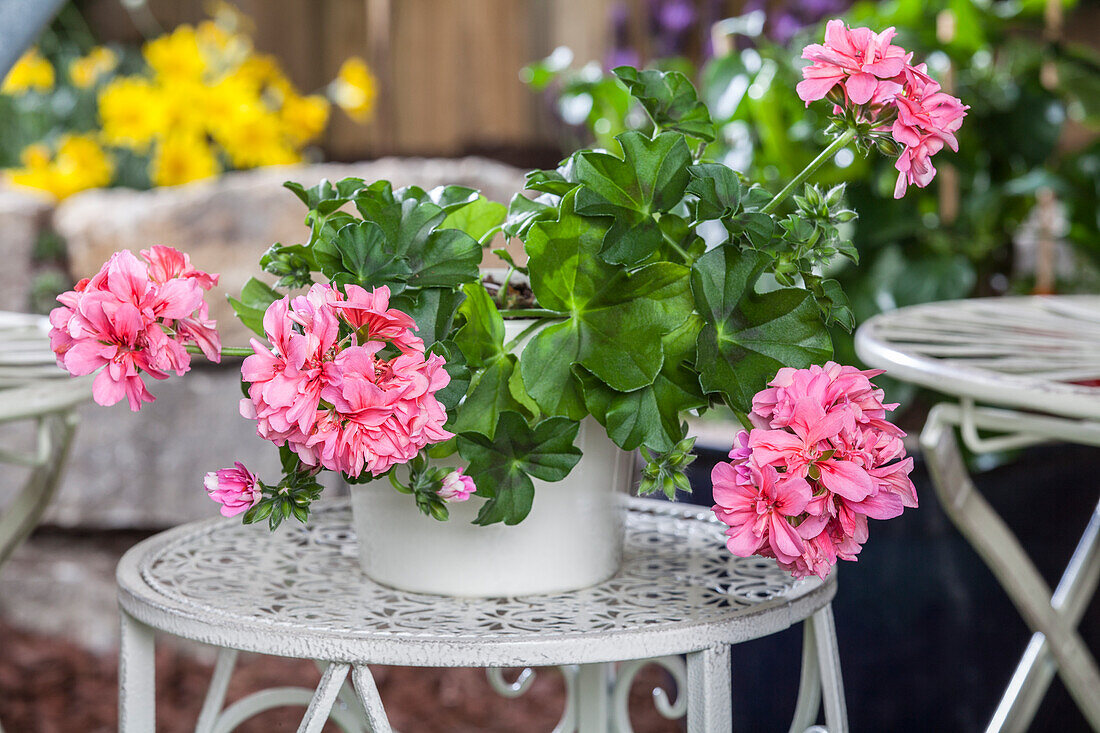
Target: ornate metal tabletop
point(300, 593)
point(1035, 353)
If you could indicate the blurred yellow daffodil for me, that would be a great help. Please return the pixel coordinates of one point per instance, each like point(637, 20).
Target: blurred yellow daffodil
point(31, 71)
point(355, 89)
point(84, 72)
point(80, 163)
point(182, 158)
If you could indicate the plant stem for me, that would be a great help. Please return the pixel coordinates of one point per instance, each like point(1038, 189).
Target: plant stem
point(523, 334)
point(502, 294)
point(798, 180)
point(226, 350)
point(677, 248)
point(530, 313)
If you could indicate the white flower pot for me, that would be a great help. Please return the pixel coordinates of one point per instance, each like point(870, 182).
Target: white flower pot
point(571, 539)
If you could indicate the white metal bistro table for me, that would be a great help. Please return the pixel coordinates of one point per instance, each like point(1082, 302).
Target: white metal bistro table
point(1022, 370)
point(38, 400)
point(300, 593)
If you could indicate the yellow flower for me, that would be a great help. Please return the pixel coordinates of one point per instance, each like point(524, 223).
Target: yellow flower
point(183, 107)
point(80, 163)
point(176, 56)
point(132, 112)
point(304, 117)
point(31, 71)
point(355, 89)
point(86, 71)
point(182, 158)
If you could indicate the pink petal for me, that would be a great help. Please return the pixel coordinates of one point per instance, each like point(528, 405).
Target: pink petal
point(861, 87)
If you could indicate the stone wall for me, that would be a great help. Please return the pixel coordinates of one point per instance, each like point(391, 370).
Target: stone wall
point(145, 469)
point(22, 219)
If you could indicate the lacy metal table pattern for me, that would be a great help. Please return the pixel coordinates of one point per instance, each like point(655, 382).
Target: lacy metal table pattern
point(300, 593)
point(1026, 369)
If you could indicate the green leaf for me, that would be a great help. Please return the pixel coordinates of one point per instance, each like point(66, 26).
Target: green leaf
point(367, 259)
point(502, 467)
point(256, 296)
point(650, 416)
point(748, 335)
point(756, 226)
point(670, 99)
point(479, 218)
point(553, 182)
point(433, 309)
point(650, 178)
point(615, 319)
point(482, 342)
point(718, 189)
point(458, 371)
point(482, 337)
point(523, 212)
point(326, 197)
point(448, 258)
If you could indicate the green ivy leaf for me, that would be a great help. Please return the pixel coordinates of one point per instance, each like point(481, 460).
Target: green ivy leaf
point(482, 342)
point(367, 259)
point(256, 296)
point(448, 258)
point(480, 218)
point(615, 319)
point(523, 212)
point(502, 466)
point(650, 416)
point(670, 99)
point(718, 189)
point(650, 178)
point(433, 309)
point(458, 371)
point(748, 335)
point(326, 197)
point(756, 226)
point(553, 182)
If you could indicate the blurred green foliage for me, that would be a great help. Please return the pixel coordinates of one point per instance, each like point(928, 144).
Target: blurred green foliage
point(955, 238)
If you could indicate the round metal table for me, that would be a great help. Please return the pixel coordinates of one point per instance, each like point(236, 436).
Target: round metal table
point(1020, 371)
point(33, 389)
point(300, 593)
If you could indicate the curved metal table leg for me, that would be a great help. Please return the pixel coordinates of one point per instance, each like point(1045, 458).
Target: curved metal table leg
point(809, 684)
point(21, 515)
point(1001, 551)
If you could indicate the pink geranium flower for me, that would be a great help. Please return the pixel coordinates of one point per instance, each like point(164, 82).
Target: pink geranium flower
point(134, 318)
point(873, 86)
point(236, 489)
point(824, 427)
point(758, 509)
point(457, 486)
point(856, 58)
point(337, 402)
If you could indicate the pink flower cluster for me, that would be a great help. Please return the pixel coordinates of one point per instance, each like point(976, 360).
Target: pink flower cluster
point(134, 317)
point(859, 68)
point(821, 461)
point(345, 383)
point(236, 489)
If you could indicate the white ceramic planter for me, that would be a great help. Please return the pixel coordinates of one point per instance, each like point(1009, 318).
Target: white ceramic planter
point(571, 539)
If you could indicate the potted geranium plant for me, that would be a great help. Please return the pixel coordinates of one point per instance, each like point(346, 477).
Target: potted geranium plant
point(394, 360)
